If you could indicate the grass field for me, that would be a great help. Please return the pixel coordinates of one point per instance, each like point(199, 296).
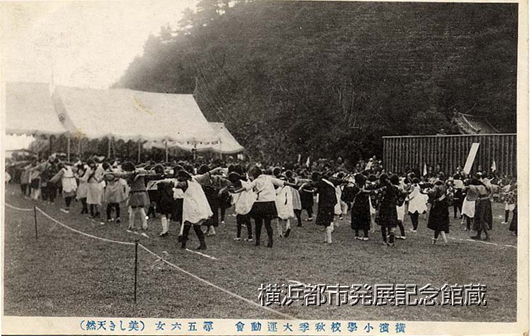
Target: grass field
point(67, 274)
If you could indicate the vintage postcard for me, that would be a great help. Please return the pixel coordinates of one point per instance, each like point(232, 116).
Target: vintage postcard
point(252, 167)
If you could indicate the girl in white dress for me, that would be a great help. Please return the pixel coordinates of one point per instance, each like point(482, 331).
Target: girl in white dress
point(195, 208)
point(243, 203)
point(468, 206)
point(284, 205)
point(297, 201)
point(94, 178)
point(82, 189)
point(68, 182)
point(417, 203)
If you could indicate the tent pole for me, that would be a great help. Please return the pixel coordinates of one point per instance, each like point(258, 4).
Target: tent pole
point(108, 148)
point(68, 148)
point(50, 144)
point(113, 149)
point(167, 153)
point(139, 150)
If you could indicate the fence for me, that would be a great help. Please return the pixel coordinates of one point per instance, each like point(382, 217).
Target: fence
point(450, 151)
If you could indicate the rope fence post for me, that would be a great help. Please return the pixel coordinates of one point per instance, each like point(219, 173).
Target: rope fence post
point(135, 268)
point(35, 218)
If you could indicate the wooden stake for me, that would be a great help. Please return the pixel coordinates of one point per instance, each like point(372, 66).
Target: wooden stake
point(135, 269)
point(35, 217)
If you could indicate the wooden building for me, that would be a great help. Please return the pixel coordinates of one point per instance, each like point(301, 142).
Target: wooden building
point(450, 151)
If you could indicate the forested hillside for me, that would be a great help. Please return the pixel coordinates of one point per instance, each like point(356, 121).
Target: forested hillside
point(329, 79)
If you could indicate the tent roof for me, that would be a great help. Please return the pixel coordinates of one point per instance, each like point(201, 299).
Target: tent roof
point(227, 143)
point(30, 110)
point(130, 115)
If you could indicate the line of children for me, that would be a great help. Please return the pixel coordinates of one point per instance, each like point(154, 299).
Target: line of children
point(266, 197)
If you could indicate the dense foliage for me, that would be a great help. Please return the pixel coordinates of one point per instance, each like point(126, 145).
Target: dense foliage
point(328, 79)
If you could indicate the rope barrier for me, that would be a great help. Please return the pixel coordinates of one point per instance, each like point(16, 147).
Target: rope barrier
point(210, 257)
point(81, 232)
point(17, 208)
point(217, 287)
point(159, 258)
point(202, 254)
point(162, 258)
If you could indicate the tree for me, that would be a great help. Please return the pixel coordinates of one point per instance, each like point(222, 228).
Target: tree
point(287, 80)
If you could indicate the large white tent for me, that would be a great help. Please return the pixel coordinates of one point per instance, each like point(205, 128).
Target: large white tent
point(132, 115)
point(30, 110)
point(163, 120)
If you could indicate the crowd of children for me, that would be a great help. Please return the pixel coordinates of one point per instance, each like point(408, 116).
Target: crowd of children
point(196, 195)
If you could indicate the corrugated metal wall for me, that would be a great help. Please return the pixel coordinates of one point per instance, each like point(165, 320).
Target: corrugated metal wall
point(450, 151)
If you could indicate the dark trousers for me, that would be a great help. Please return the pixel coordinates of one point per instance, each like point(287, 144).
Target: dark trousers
point(110, 206)
point(468, 222)
point(414, 218)
point(24, 188)
point(214, 220)
point(49, 192)
point(68, 201)
point(401, 228)
point(198, 232)
point(85, 208)
point(94, 210)
point(223, 211)
point(52, 192)
point(268, 228)
point(391, 235)
point(309, 212)
point(298, 214)
point(365, 231)
point(151, 211)
point(457, 206)
point(244, 220)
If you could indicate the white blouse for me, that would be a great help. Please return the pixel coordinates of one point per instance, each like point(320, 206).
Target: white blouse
point(263, 186)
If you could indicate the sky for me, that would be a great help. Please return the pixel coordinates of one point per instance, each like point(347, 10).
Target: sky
point(83, 43)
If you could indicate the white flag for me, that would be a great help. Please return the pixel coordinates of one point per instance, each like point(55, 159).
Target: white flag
point(424, 169)
point(493, 166)
point(308, 162)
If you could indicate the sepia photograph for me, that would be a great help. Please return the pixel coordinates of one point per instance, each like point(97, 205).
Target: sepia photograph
point(260, 167)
